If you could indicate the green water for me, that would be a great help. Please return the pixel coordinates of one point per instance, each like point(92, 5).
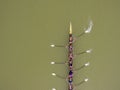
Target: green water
point(28, 27)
